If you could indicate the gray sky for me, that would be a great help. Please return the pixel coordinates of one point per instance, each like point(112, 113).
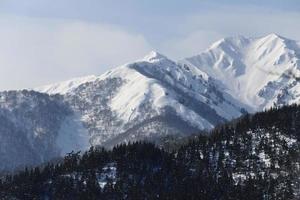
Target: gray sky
point(44, 41)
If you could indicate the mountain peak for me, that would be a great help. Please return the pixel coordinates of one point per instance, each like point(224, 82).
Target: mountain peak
point(154, 56)
point(273, 36)
point(229, 41)
point(253, 69)
point(241, 41)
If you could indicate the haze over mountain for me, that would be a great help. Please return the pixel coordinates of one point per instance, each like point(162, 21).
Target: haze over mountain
point(150, 98)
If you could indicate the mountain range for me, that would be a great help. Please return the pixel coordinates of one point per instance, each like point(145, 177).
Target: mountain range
point(148, 99)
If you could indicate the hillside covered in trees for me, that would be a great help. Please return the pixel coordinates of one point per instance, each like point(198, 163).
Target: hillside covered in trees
point(254, 157)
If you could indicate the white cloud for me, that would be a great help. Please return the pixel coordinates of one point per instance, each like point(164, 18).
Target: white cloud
point(34, 52)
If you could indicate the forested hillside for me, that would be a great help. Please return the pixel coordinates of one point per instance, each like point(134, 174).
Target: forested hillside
point(255, 157)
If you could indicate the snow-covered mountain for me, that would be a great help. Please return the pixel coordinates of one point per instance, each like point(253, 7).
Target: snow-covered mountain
point(150, 98)
point(260, 72)
point(156, 96)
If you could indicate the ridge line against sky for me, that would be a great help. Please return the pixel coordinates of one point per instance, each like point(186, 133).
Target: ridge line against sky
point(45, 41)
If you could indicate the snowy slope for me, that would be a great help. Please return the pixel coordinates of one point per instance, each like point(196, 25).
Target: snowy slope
point(260, 72)
point(162, 82)
point(149, 98)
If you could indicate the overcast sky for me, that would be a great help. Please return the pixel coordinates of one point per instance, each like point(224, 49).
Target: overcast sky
point(45, 41)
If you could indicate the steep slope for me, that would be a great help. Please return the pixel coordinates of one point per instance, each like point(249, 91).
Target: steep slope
point(147, 99)
point(260, 72)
